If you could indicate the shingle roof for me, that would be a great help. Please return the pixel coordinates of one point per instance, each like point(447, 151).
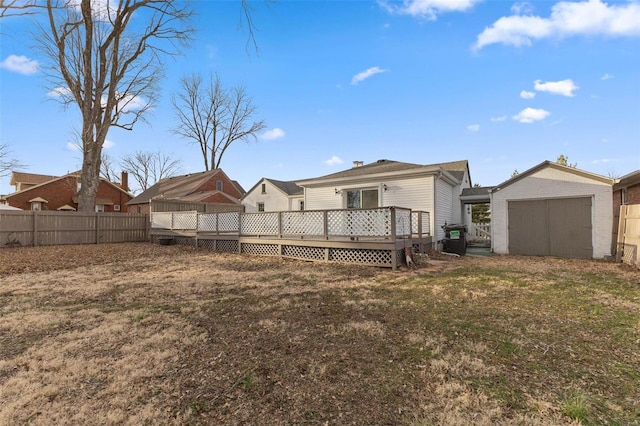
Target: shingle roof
point(289, 188)
point(455, 168)
point(176, 187)
point(478, 190)
point(30, 178)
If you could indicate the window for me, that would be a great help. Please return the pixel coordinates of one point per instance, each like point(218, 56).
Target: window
point(624, 196)
point(219, 185)
point(99, 208)
point(36, 205)
point(264, 188)
point(116, 207)
point(260, 207)
point(362, 198)
point(301, 205)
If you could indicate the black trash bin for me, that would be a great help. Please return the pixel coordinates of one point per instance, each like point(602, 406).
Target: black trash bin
point(454, 239)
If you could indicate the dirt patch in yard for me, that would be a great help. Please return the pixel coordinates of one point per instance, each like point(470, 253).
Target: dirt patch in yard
point(142, 333)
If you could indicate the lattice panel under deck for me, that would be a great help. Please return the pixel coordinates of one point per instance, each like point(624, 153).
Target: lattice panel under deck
point(307, 253)
point(302, 223)
point(229, 222)
point(228, 246)
point(366, 223)
point(260, 249)
point(366, 256)
point(184, 241)
point(207, 222)
point(208, 244)
point(260, 224)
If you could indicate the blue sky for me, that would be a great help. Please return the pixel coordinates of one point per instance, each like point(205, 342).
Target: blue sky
point(505, 85)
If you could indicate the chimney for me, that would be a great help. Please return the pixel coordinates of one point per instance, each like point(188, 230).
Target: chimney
point(124, 181)
point(358, 164)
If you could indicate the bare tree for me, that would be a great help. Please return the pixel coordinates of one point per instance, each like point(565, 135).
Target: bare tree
point(147, 168)
point(19, 7)
point(214, 117)
point(109, 65)
point(107, 167)
point(7, 162)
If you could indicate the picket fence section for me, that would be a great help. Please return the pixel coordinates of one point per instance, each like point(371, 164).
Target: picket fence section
point(42, 228)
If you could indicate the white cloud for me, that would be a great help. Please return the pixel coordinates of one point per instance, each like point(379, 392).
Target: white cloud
point(527, 95)
point(591, 17)
point(606, 77)
point(20, 64)
point(59, 92)
point(366, 74)
point(73, 146)
point(522, 8)
point(499, 119)
point(273, 134)
point(333, 161)
point(128, 103)
point(473, 128)
point(108, 144)
point(428, 9)
point(563, 87)
point(529, 115)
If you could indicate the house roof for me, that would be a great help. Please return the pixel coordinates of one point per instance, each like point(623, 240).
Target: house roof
point(289, 188)
point(178, 187)
point(478, 190)
point(553, 165)
point(632, 178)
point(455, 169)
point(30, 178)
point(55, 178)
point(199, 196)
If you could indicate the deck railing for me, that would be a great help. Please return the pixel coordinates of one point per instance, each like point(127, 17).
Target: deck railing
point(384, 222)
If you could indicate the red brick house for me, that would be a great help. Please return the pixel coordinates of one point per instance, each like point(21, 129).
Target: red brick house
point(41, 192)
point(211, 186)
point(627, 190)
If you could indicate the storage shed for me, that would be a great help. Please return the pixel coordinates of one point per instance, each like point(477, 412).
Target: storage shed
point(553, 210)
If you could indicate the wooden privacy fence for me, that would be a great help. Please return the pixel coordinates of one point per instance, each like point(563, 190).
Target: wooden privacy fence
point(628, 244)
point(376, 237)
point(40, 228)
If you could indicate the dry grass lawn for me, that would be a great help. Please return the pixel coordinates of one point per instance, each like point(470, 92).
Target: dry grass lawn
point(146, 334)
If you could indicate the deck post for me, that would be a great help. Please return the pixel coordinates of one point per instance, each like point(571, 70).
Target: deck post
point(325, 224)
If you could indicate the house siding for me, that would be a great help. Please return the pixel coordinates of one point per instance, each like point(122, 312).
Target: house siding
point(274, 199)
point(549, 183)
point(444, 208)
point(322, 199)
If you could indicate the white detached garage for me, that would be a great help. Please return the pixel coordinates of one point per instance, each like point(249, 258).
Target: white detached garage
point(553, 210)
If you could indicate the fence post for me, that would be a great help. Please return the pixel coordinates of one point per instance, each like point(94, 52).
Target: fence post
point(35, 228)
point(97, 227)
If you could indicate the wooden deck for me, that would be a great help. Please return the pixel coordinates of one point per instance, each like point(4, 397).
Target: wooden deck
point(375, 237)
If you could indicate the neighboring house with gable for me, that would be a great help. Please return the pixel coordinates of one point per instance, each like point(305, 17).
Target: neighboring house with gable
point(211, 187)
point(270, 195)
point(434, 188)
point(43, 192)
